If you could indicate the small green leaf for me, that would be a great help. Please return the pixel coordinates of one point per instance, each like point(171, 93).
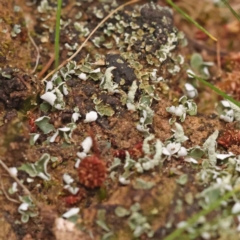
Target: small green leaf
point(45, 107)
point(115, 164)
point(53, 159)
point(33, 214)
point(135, 207)
point(196, 61)
point(33, 138)
point(96, 76)
point(29, 168)
point(38, 168)
point(101, 219)
point(44, 125)
point(24, 218)
point(196, 152)
point(104, 109)
point(121, 211)
point(41, 166)
point(107, 236)
point(189, 198)
point(26, 199)
point(182, 179)
point(192, 108)
point(142, 184)
point(86, 68)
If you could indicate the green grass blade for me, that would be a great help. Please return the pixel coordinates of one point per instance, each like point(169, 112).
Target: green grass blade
point(57, 33)
point(231, 9)
point(191, 20)
point(177, 233)
point(218, 91)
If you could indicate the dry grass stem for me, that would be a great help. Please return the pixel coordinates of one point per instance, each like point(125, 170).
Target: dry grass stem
point(47, 66)
point(6, 195)
point(89, 36)
point(15, 178)
point(38, 53)
point(218, 58)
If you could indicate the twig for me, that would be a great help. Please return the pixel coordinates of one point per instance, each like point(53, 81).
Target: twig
point(24, 82)
point(89, 36)
point(38, 53)
point(6, 195)
point(15, 178)
point(47, 66)
point(218, 58)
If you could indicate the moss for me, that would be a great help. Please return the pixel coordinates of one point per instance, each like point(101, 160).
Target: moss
point(14, 131)
point(47, 185)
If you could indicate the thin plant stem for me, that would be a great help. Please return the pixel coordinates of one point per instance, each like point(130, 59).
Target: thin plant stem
point(176, 234)
point(191, 20)
point(231, 9)
point(47, 66)
point(218, 91)
point(57, 32)
point(15, 178)
point(218, 58)
point(89, 36)
point(38, 53)
point(6, 195)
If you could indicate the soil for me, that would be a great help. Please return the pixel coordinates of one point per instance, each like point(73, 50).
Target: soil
point(124, 52)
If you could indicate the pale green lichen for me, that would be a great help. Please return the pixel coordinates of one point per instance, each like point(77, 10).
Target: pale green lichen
point(37, 169)
point(27, 209)
point(101, 219)
point(179, 133)
point(44, 125)
point(210, 147)
point(16, 30)
point(107, 81)
point(104, 109)
point(142, 184)
point(186, 106)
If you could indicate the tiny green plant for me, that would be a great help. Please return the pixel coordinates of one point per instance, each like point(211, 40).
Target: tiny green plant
point(57, 32)
point(218, 91)
point(176, 234)
point(231, 9)
point(191, 20)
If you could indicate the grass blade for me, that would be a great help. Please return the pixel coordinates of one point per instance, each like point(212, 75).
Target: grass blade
point(231, 9)
point(176, 234)
point(191, 20)
point(57, 33)
point(218, 91)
